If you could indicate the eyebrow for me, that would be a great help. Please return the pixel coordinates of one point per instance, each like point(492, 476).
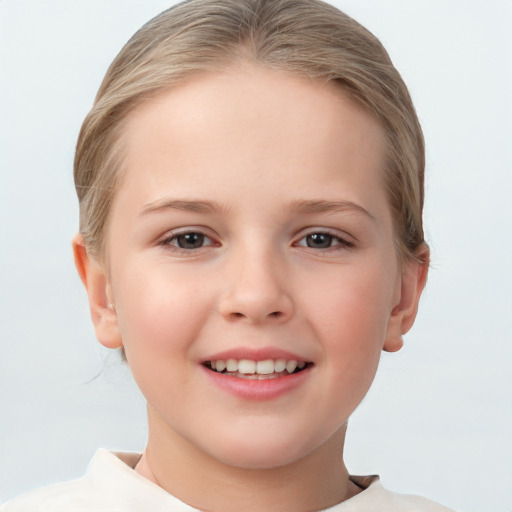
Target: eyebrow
point(184, 205)
point(322, 206)
point(301, 206)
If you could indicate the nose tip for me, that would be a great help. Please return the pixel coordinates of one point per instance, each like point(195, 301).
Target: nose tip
point(257, 296)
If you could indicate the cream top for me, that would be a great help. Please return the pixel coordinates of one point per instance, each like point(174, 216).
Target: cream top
point(111, 485)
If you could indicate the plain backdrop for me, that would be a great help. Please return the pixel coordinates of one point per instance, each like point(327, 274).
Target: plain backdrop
point(438, 419)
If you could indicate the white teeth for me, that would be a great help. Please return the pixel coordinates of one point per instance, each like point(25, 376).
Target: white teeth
point(250, 367)
point(280, 365)
point(246, 366)
point(291, 366)
point(265, 367)
point(231, 365)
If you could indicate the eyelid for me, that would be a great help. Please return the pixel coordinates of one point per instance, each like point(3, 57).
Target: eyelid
point(173, 234)
point(345, 240)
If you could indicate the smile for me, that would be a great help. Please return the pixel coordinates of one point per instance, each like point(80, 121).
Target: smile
point(257, 370)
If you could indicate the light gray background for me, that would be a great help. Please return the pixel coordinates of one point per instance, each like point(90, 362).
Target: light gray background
point(438, 421)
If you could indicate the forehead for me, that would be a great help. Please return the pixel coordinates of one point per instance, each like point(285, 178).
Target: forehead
point(254, 122)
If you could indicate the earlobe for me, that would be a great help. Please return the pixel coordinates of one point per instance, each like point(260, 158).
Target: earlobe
point(97, 285)
point(413, 279)
point(393, 343)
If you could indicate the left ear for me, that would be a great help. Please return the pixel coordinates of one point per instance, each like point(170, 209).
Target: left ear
point(413, 279)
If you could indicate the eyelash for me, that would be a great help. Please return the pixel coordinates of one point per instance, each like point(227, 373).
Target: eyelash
point(172, 241)
point(334, 240)
point(341, 243)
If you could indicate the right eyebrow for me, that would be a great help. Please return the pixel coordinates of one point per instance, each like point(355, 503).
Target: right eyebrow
point(179, 204)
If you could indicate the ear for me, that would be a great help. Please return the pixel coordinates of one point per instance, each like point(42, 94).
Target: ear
point(412, 282)
point(97, 285)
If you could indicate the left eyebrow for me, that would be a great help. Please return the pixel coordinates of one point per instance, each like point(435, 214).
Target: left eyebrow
point(322, 206)
point(178, 204)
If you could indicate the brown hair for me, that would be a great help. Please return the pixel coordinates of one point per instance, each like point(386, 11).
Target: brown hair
point(305, 37)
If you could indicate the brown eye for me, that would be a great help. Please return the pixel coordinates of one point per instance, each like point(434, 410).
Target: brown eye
point(189, 240)
point(319, 240)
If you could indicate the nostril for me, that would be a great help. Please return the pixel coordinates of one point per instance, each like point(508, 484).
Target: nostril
point(237, 315)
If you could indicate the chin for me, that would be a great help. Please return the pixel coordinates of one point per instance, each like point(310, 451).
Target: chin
point(253, 451)
point(258, 460)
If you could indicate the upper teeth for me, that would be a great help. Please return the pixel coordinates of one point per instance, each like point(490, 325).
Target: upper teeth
point(248, 366)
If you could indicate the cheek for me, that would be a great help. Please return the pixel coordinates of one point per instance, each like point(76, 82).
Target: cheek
point(350, 318)
point(160, 317)
point(159, 312)
point(354, 306)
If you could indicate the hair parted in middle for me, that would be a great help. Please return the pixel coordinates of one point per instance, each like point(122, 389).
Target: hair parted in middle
point(306, 38)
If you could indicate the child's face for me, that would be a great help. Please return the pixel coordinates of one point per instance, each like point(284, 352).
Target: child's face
point(252, 223)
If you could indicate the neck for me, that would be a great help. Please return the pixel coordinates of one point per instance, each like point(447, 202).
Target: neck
point(315, 482)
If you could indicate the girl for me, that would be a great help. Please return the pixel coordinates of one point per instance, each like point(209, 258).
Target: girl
point(250, 181)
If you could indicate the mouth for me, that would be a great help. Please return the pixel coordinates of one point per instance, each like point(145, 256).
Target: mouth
point(257, 370)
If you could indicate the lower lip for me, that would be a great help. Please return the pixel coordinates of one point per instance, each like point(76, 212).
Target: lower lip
point(254, 389)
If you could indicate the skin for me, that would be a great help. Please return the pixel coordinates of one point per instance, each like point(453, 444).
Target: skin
point(266, 151)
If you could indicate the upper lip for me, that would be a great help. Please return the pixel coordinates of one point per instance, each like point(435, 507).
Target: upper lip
point(255, 354)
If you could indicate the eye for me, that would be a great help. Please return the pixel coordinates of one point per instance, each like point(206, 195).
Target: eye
point(323, 240)
point(319, 240)
point(189, 240)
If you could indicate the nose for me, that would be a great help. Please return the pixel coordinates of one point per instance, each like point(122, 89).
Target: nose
point(256, 290)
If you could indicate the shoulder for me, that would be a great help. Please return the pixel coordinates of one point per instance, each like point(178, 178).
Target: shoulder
point(73, 495)
point(110, 484)
point(376, 497)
